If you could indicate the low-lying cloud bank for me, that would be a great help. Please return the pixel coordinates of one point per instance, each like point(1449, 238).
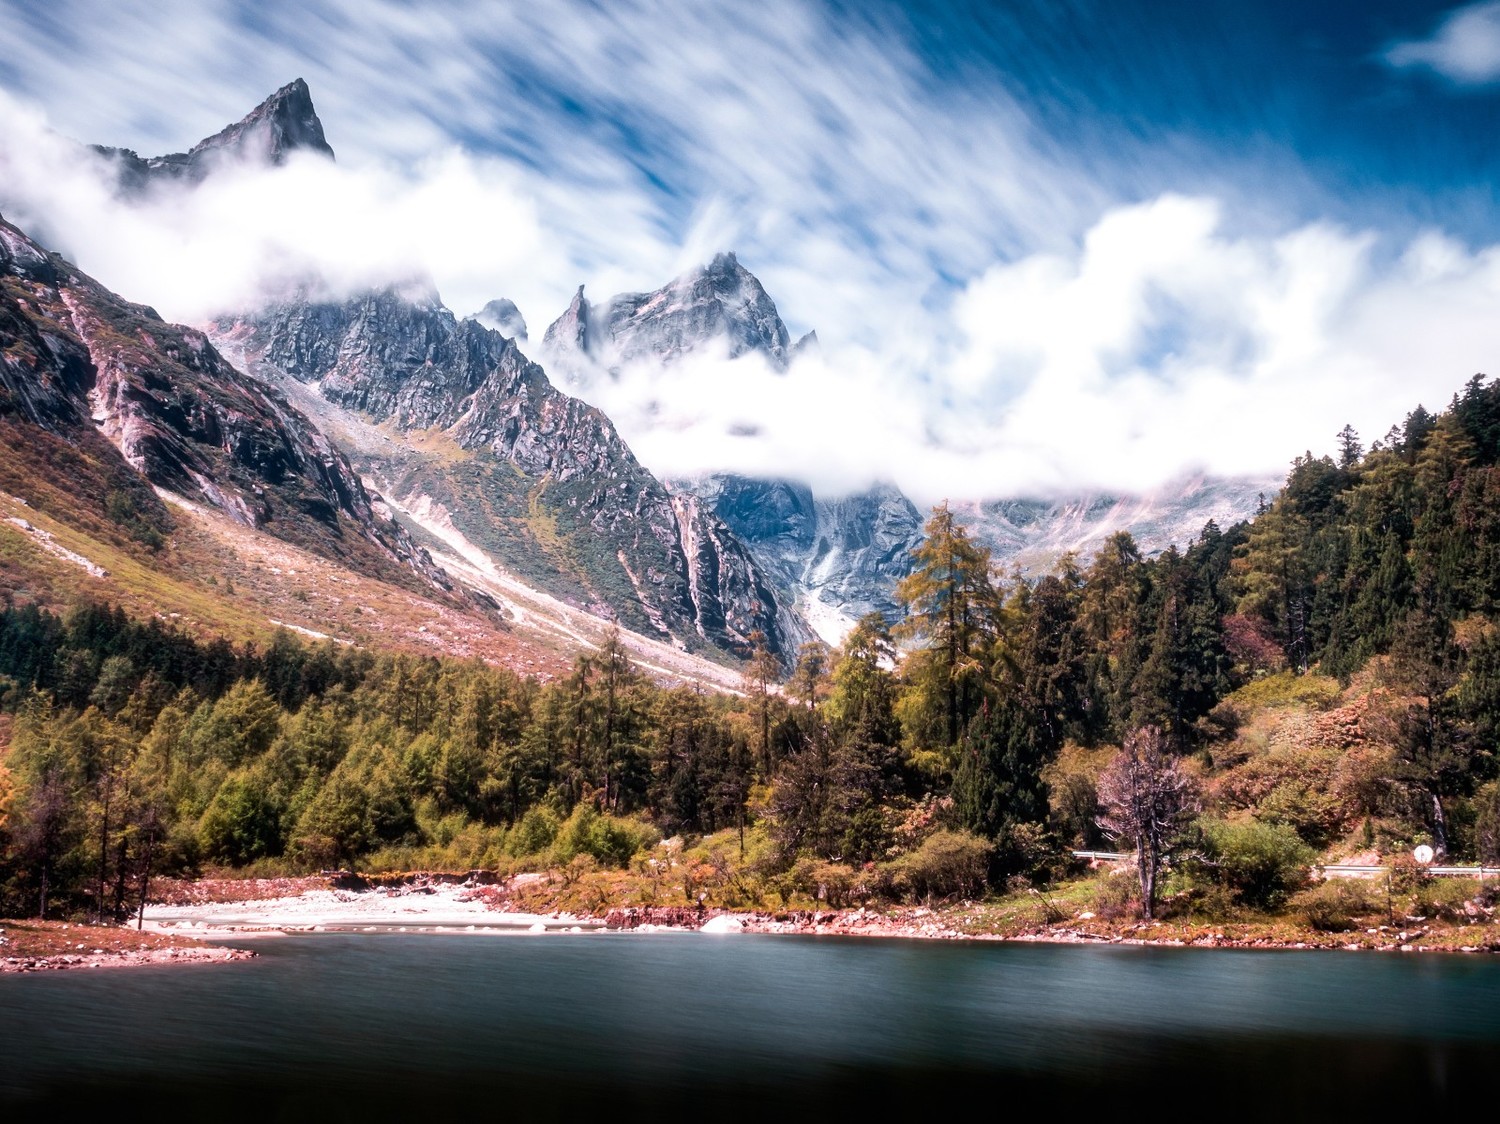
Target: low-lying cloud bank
point(1161, 347)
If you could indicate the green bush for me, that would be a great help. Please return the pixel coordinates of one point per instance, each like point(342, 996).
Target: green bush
point(533, 833)
point(1311, 812)
point(1286, 688)
point(1487, 823)
point(609, 840)
point(1262, 863)
point(1336, 905)
point(1445, 898)
point(947, 864)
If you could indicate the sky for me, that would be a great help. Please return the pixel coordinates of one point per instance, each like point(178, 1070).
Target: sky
point(1047, 246)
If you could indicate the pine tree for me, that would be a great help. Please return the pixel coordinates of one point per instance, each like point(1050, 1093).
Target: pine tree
point(951, 608)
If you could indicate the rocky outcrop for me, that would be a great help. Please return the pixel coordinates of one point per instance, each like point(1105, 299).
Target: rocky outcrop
point(394, 354)
point(78, 360)
point(284, 123)
point(504, 317)
point(718, 305)
point(574, 503)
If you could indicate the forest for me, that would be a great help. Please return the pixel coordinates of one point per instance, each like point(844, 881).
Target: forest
point(1007, 720)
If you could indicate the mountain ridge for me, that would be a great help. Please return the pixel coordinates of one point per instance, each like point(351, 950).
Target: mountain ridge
point(88, 366)
point(556, 482)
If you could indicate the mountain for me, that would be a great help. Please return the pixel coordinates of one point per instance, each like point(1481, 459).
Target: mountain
point(475, 438)
point(282, 124)
point(717, 305)
point(471, 428)
point(1034, 533)
point(839, 557)
point(112, 379)
point(504, 317)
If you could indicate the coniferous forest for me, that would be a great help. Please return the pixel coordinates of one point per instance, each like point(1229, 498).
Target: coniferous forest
point(1322, 679)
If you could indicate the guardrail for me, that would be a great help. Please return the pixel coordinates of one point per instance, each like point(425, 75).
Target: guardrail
point(1331, 870)
point(1106, 856)
point(1360, 870)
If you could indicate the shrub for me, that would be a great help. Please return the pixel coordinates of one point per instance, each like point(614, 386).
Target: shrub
point(1262, 863)
point(610, 840)
point(829, 882)
point(1286, 689)
point(1487, 823)
point(1336, 905)
point(1314, 814)
point(1118, 895)
point(1445, 898)
point(947, 864)
point(533, 833)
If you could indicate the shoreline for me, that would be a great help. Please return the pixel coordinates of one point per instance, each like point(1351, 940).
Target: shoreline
point(43, 946)
point(182, 928)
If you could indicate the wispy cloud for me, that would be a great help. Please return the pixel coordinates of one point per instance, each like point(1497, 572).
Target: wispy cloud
point(1464, 48)
point(1163, 346)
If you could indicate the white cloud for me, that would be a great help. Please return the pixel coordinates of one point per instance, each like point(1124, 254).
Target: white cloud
point(1465, 48)
point(1162, 347)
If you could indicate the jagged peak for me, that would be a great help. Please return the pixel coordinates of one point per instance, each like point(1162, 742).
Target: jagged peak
point(501, 315)
point(284, 123)
point(294, 124)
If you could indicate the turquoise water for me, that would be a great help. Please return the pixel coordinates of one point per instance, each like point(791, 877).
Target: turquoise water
point(337, 1026)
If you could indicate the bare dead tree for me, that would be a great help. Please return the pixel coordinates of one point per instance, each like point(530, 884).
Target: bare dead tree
point(1147, 798)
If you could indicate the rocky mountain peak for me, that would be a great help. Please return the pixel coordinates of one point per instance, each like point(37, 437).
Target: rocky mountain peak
point(721, 304)
point(502, 316)
point(284, 123)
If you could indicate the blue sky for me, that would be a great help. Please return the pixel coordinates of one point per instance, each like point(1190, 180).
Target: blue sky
point(1046, 245)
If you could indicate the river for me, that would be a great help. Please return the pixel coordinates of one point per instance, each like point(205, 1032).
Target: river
point(393, 1026)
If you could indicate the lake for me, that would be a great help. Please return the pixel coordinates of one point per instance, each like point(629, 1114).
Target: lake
point(339, 1026)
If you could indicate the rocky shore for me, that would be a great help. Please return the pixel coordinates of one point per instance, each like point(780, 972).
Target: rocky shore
point(190, 913)
point(39, 946)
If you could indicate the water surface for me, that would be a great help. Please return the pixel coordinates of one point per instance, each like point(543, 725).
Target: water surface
point(366, 1026)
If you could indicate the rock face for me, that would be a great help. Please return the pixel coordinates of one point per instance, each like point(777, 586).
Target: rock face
point(504, 317)
point(842, 557)
point(285, 122)
point(718, 305)
point(1034, 533)
point(555, 492)
point(83, 364)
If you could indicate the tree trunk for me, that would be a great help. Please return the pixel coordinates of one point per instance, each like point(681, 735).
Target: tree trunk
point(140, 913)
point(122, 873)
point(103, 853)
point(1145, 857)
point(1439, 827)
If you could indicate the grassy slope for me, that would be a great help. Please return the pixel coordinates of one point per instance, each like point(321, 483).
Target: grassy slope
point(214, 577)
